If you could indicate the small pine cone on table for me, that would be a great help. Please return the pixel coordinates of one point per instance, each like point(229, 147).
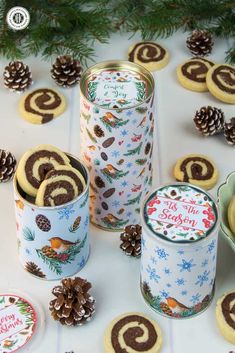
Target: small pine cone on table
point(209, 120)
point(17, 76)
point(131, 240)
point(66, 71)
point(229, 132)
point(73, 304)
point(7, 166)
point(200, 42)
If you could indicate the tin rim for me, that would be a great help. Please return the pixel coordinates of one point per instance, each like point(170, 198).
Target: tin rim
point(117, 64)
point(87, 177)
point(184, 243)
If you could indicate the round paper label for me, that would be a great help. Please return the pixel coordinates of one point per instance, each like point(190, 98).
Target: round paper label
point(116, 88)
point(17, 322)
point(180, 213)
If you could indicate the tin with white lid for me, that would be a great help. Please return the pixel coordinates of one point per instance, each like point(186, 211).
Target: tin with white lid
point(179, 248)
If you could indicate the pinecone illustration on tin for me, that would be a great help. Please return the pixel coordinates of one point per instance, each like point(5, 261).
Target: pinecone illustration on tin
point(73, 304)
point(75, 225)
point(32, 268)
point(165, 308)
point(43, 223)
point(49, 252)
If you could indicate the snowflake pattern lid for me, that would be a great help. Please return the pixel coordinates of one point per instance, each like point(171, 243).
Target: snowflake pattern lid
point(117, 85)
point(180, 213)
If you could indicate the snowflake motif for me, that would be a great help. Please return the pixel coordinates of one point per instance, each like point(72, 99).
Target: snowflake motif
point(66, 212)
point(124, 132)
point(186, 265)
point(128, 145)
point(134, 172)
point(143, 243)
point(168, 285)
point(129, 165)
point(124, 183)
point(201, 279)
point(205, 263)
point(86, 221)
point(180, 281)
point(195, 298)
point(211, 247)
point(129, 113)
point(115, 153)
point(214, 257)
point(28, 252)
point(180, 252)
point(184, 292)
point(164, 293)
point(134, 121)
point(129, 214)
point(82, 262)
point(153, 260)
point(152, 274)
point(116, 203)
point(161, 253)
point(167, 271)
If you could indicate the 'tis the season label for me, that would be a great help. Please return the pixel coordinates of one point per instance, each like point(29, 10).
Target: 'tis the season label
point(180, 213)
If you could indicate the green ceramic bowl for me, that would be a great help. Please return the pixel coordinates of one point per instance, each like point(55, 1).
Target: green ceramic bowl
point(224, 194)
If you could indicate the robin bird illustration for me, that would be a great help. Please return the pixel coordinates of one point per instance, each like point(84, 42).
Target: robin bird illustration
point(111, 219)
point(121, 79)
point(92, 148)
point(60, 245)
point(19, 204)
point(121, 101)
point(109, 117)
point(110, 170)
point(176, 306)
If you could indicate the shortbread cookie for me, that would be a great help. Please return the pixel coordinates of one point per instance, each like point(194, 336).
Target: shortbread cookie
point(225, 316)
point(35, 164)
point(132, 332)
point(196, 169)
point(220, 81)
point(148, 54)
point(192, 74)
point(61, 185)
point(42, 105)
point(231, 215)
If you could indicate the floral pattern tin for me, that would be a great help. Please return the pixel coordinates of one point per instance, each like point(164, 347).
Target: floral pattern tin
point(117, 123)
point(53, 242)
point(179, 249)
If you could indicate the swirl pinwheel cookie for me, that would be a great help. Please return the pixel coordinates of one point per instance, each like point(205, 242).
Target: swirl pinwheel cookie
point(196, 169)
point(42, 105)
point(61, 185)
point(225, 316)
point(192, 74)
point(220, 81)
point(148, 54)
point(132, 332)
point(35, 164)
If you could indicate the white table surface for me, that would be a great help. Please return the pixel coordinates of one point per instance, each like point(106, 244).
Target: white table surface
point(114, 276)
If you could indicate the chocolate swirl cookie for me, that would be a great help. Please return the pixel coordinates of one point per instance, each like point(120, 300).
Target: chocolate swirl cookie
point(196, 169)
point(132, 332)
point(35, 164)
point(192, 74)
point(220, 81)
point(225, 316)
point(42, 105)
point(61, 185)
point(148, 54)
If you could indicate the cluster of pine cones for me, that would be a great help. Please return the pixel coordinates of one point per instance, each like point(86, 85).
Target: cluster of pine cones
point(210, 121)
point(66, 72)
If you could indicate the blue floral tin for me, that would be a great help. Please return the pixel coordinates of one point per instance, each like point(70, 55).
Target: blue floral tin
point(117, 124)
point(179, 249)
point(53, 242)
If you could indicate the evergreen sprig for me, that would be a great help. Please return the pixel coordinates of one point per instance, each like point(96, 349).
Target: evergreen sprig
point(71, 26)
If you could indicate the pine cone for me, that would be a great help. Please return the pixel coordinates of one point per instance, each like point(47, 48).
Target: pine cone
point(229, 131)
point(73, 304)
point(7, 165)
point(49, 252)
point(34, 269)
point(43, 223)
point(200, 42)
point(17, 76)
point(209, 120)
point(66, 71)
point(131, 240)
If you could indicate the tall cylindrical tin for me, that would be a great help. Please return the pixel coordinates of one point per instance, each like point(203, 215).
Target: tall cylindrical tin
point(117, 140)
point(41, 229)
point(179, 247)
